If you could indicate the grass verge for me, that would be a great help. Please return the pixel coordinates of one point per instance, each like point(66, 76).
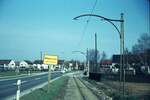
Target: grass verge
point(15, 74)
point(56, 91)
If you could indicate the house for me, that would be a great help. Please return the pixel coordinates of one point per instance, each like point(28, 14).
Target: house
point(106, 63)
point(45, 67)
point(138, 58)
point(131, 58)
point(133, 63)
point(60, 62)
point(29, 62)
point(7, 64)
point(105, 66)
point(37, 64)
point(25, 64)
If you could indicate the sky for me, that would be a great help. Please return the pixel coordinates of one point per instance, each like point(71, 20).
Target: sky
point(28, 27)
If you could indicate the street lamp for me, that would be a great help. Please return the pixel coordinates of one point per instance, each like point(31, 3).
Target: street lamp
point(79, 52)
point(86, 57)
point(121, 37)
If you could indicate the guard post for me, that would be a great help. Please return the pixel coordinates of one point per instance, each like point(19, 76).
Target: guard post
point(18, 89)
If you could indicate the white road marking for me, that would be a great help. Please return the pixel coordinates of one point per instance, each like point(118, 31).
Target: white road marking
point(37, 78)
point(24, 81)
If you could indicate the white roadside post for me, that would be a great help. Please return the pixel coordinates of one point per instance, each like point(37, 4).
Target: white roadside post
point(18, 89)
point(29, 73)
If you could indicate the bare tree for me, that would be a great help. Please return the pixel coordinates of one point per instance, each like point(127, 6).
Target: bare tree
point(142, 44)
point(91, 55)
point(92, 58)
point(103, 56)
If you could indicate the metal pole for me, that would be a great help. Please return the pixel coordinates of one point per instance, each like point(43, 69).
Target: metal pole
point(120, 78)
point(41, 55)
point(122, 60)
point(123, 50)
point(122, 54)
point(87, 57)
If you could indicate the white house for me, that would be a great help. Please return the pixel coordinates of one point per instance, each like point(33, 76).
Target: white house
point(38, 64)
point(44, 67)
point(25, 64)
point(7, 64)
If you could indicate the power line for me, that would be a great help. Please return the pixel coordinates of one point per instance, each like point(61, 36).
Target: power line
point(87, 22)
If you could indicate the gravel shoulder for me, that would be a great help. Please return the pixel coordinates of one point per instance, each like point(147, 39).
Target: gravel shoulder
point(76, 90)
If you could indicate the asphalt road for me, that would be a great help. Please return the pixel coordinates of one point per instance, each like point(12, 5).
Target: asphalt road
point(8, 87)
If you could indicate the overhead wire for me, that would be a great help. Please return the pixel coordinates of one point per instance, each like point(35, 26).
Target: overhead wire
point(87, 23)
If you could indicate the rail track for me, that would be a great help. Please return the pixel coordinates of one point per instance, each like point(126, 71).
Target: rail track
point(84, 91)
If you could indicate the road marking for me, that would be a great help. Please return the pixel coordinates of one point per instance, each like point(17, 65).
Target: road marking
point(14, 83)
point(24, 82)
point(37, 78)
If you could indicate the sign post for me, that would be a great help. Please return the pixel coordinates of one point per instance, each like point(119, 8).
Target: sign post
point(50, 61)
point(49, 76)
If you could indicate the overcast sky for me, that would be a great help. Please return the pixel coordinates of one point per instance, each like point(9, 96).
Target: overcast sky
point(28, 27)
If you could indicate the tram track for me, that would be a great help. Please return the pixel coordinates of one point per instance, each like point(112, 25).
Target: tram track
point(84, 91)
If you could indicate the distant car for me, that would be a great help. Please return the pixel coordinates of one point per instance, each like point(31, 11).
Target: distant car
point(63, 71)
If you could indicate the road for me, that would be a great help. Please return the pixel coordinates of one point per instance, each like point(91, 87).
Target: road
point(8, 87)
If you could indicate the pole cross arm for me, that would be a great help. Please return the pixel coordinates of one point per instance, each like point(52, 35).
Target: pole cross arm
point(98, 16)
point(79, 52)
point(104, 18)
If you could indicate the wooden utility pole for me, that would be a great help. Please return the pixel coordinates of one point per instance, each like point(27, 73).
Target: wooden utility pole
point(95, 53)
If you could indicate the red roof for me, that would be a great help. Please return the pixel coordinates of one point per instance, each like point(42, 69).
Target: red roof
point(4, 62)
point(106, 62)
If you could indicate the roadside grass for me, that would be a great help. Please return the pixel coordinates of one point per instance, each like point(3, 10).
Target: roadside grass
point(133, 91)
point(56, 91)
